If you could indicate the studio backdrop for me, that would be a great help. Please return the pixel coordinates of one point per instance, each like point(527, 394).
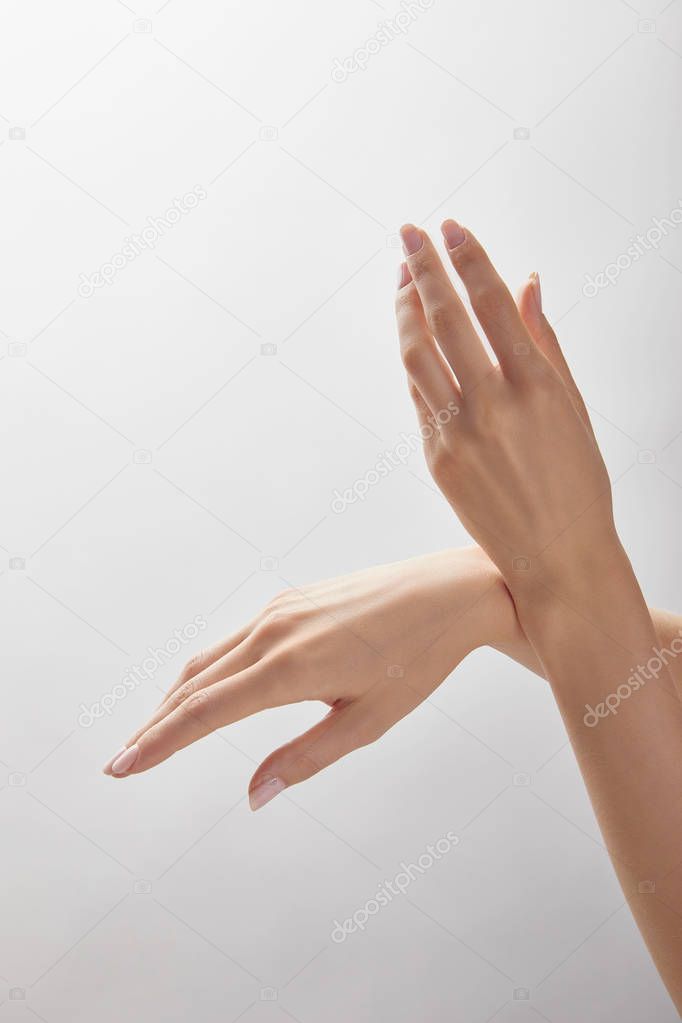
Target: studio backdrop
point(199, 374)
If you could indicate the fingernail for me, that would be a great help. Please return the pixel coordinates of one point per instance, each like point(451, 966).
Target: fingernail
point(125, 761)
point(107, 767)
point(412, 239)
point(404, 275)
point(537, 289)
point(452, 232)
point(265, 791)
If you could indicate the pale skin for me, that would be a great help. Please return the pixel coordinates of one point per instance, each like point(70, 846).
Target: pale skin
point(339, 642)
point(549, 585)
point(522, 470)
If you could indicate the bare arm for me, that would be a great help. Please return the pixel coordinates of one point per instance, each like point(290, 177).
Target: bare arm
point(508, 637)
point(520, 466)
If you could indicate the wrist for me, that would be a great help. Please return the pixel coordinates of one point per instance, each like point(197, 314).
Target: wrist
point(577, 577)
point(491, 619)
point(591, 612)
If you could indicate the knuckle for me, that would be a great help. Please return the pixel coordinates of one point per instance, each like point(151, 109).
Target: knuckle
point(406, 304)
point(183, 693)
point(485, 295)
point(197, 704)
point(402, 300)
point(281, 621)
point(275, 623)
point(193, 666)
point(439, 461)
point(280, 668)
point(281, 598)
point(412, 356)
point(422, 263)
point(440, 318)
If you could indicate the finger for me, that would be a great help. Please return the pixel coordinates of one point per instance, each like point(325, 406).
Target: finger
point(446, 316)
point(530, 307)
point(202, 713)
point(343, 730)
point(231, 664)
point(423, 413)
point(421, 356)
point(205, 658)
point(490, 298)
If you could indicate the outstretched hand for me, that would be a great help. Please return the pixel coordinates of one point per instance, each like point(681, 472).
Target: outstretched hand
point(371, 646)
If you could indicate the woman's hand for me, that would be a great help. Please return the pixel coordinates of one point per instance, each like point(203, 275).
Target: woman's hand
point(521, 468)
point(371, 645)
point(519, 463)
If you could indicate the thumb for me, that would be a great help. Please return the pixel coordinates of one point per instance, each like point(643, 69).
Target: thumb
point(529, 303)
point(345, 728)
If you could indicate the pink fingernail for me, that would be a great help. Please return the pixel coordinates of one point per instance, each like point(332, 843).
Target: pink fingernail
point(125, 761)
point(537, 289)
point(452, 232)
point(412, 239)
point(265, 791)
point(404, 275)
point(109, 764)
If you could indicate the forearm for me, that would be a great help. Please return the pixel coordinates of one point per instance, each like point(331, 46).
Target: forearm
point(599, 649)
point(505, 634)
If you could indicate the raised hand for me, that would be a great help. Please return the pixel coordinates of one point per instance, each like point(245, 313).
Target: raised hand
point(519, 463)
point(520, 466)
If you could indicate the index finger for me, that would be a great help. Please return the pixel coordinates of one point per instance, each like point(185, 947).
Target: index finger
point(446, 316)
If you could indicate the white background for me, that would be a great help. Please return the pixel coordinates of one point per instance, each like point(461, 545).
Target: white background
point(307, 181)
